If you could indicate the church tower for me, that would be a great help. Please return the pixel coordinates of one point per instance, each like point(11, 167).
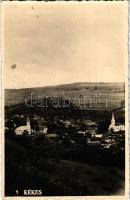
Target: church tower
point(112, 125)
point(28, 126)
point(113, 119)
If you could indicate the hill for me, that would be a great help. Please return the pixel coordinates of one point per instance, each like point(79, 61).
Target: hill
point(112, 93)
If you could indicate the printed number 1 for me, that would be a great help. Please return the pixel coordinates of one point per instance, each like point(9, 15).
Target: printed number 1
point(16, 191)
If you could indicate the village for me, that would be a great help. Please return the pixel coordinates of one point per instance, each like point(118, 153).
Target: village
point(46, 146)
point(70, 131)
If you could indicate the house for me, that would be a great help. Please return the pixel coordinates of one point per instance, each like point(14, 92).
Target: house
point(93, 143)
point(43, 129)
point(92, 132)
point(67, 123)
point(98, 136)
point(6, 129)
point(82, 132)
point(52, 137)
point(89, 123)
point(36, 117)
point(42, 126)
point(119, 128)
point(16, 116)
point(108, 143)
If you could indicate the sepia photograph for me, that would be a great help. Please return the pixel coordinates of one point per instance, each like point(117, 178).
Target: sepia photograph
point(65, 90)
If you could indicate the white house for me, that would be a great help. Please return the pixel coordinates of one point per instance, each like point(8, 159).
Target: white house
point(98, 135)
point(43, 129)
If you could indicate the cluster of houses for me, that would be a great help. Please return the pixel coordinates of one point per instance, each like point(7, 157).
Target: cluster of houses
point(90, 133)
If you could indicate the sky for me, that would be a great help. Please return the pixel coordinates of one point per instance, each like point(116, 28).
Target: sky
point(59, 43)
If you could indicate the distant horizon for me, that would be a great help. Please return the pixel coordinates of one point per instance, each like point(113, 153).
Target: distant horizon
point(71, 83)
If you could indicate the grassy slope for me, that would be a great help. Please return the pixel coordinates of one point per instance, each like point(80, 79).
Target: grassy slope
point(62, 178)
point(113, 92)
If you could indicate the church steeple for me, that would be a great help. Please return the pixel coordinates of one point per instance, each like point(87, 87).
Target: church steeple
point(112, 125)
point(113, 119)
point(28, 125)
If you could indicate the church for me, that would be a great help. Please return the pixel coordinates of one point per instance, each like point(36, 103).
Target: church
point(22, 129)
point(115, 128)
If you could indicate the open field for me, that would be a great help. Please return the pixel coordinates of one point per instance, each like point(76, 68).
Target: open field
point(113, 93)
